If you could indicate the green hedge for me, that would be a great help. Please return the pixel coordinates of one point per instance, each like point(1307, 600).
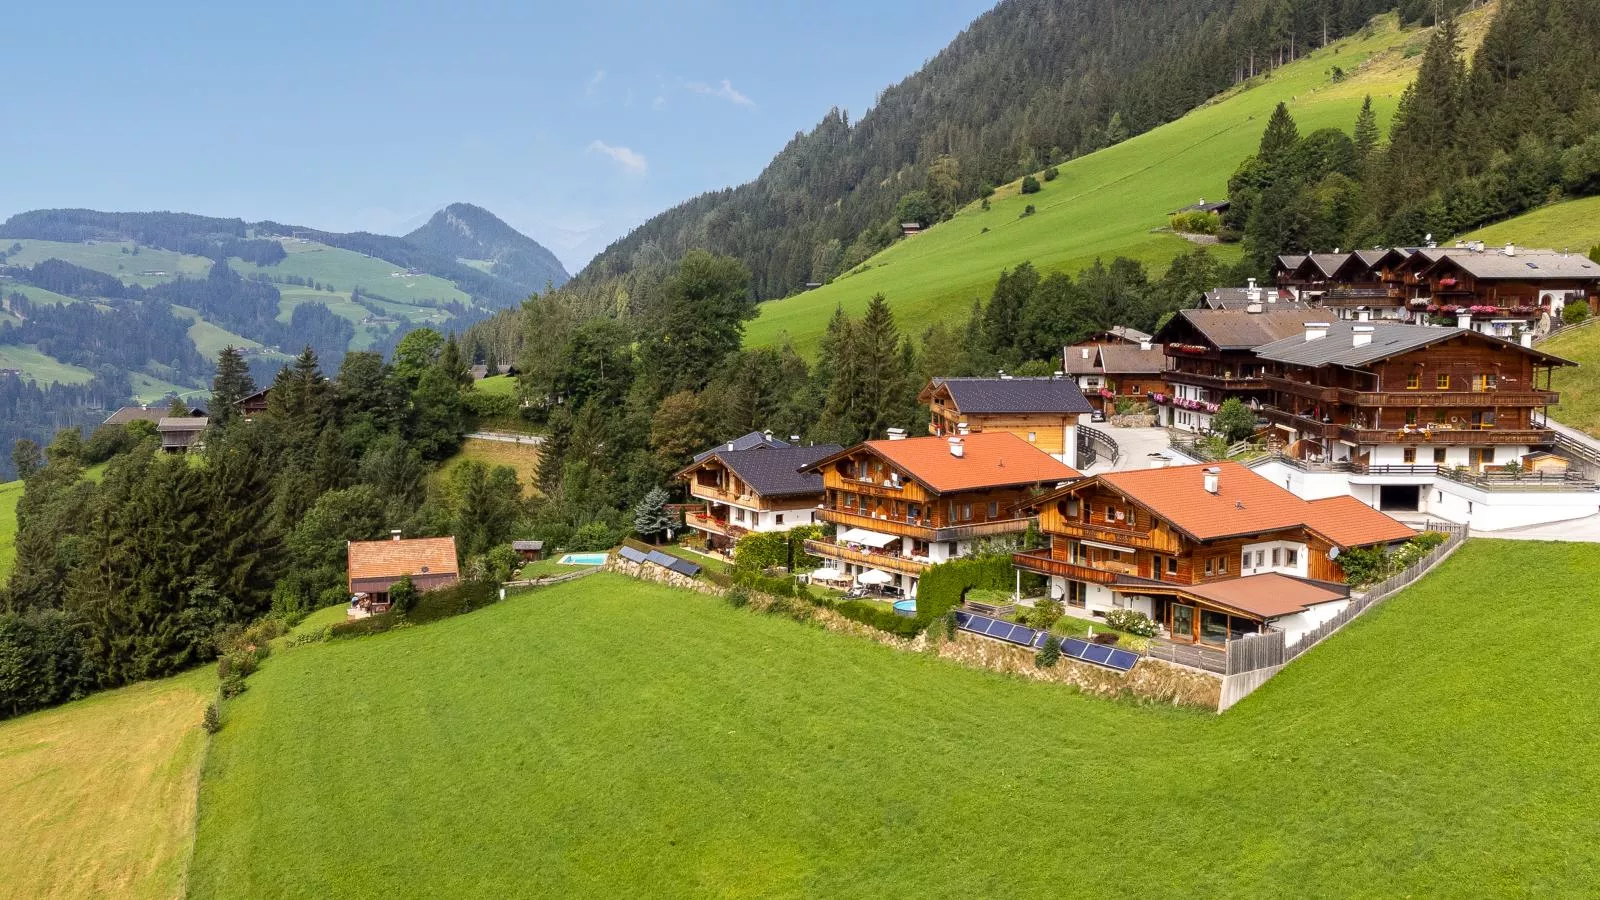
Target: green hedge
point(944, 586)
point(760, 550)
point(431, 606)
point(878, 617)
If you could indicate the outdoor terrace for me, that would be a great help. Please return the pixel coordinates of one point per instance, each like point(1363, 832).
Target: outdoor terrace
point(879, 559)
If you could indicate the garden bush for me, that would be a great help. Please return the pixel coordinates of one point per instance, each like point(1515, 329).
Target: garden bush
point(738, 597)
point(1051, 173)
point(1049, 654)
point(403, 594)
point(233, 686)
point(1030, 185)
point(759, 551)
point(878, 616)
point(1573, 313)
point(212, 721)
point(1044, 615)
point(943, 587)
point(1132, 621)
point(1196, 222)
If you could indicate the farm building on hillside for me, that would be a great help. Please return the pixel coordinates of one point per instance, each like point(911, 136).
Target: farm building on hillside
point(153, 414)
point(528, 551)
point(374, 567)
point(180, 435)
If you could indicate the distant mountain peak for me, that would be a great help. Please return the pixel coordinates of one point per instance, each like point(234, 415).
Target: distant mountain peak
point(467, 231)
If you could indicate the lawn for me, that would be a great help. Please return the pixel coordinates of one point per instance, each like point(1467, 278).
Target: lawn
point(40, 366)
point(98, 796)
point(108, 257)
point(1111, 203)
point(497, 385)
point(608, 738)
point(346, 269)
point(10, 493)
point(1580, 386)
point(524, 458)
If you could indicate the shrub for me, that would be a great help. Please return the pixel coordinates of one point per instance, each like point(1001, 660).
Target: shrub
point(236, 663)
point(1027, 211)
point(403, 594)
point(1364, 565)
point(1044, 615)
point(759, 551)
point(984, 205)
point(1234, 421)
point(943, 587)
point(1196, 222)
point(949, 623)
point(233, 686)
point(738, 597)
point(1030, 185)
point(1132, 621)
point(1051, 173)
point(878, 617)
point(1049, 654)
point(212, 721)
point(594, 537)
point(1573, 313)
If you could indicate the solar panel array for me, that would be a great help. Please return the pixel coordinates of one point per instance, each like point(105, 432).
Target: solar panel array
point(632, 555)
point(1072, 648)
point(667, 561)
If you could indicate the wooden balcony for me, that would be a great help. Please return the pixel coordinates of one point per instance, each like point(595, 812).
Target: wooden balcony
point(1448, 399)
point(718, 495)
point(708, 524)
point(1294, 388)
point(1306, 426)
point(892, 562)
point(1042, 562)
point(924, 529)
point(1451, 437)
point(1159, 540)
point(1363, 295)
point(1216, 382)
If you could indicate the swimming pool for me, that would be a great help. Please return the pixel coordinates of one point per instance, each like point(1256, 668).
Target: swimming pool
point(907, 608)
point(583, 559)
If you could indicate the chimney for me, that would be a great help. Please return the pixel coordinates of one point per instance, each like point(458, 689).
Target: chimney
point(897, 434)
point(1253, 308)
point(1361, 335)
point(1144, 345)
point(794, 438)
point(1511, 249)
point(1363, 315)
point(1083, 352)
point(1526, 339)
point(1213, 480)
point(394, 534)
point(956, 448)
point(1316, 331)
point(1464, 320)
point(767, 434)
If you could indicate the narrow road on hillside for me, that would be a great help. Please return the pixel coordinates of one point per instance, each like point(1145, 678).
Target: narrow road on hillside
point(506, 437)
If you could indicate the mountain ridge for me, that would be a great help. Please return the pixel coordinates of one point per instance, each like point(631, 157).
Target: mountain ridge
point(468, 231)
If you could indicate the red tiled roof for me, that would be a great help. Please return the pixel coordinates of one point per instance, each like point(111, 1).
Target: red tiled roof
point(392, 559)
point(989, 459)
point(1247, 504)
point(1350, 523)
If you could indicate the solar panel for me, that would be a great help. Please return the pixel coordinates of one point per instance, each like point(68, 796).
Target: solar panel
point(1123, 659)
point(684, 567)
point(632, 555)
point(1098, 654)
point(660, 559)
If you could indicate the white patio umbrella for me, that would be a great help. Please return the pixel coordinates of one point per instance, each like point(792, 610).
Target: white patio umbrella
point(874, 576)
point(827, 575)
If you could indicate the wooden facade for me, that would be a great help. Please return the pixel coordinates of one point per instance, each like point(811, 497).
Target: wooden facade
point(1048, 432)
point(732, 507)
point(863, 490)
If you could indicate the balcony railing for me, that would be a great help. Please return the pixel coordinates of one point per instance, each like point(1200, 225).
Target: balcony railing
point(1365, 295)
point(1532, 437)
point(718, 495)
point(1303, 424)
point(704, 522)
point(1042, 562)
point(1077, 529)
point(1301, 389)
point(877, 559)
point(1447, 399)
point(923, 527)
point(1217, 382)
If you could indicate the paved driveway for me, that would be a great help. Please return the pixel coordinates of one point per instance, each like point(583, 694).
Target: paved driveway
point(1136, 445)
point(1585, 530)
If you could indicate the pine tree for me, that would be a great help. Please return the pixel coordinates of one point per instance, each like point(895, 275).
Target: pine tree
point(178, 409)
point(231, 384)
point(1279, 141)
point(650, 516)
point(453, 364)
point(1366, 133)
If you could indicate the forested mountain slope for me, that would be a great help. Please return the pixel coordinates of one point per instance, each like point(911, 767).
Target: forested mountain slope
point(1028, 83)
point(472, 233)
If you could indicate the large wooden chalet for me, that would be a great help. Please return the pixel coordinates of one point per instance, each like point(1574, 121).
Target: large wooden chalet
point(752, 483)
point(1110, 372)
point(900, 506)
point(1042, 411)
point(1498, 291)
point(1407, 395)
point(1210, 552)
point(1212, 353)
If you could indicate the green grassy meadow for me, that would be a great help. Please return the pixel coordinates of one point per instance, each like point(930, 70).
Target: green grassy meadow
point(1571, 225)
point(1107, 204)
point(41, 367)
point(1579, 386)
point(609, 738)
point(497, 385)
point(346, 269)
point(108, 257)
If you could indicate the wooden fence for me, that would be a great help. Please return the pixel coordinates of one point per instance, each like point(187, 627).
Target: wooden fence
point(1254, 659)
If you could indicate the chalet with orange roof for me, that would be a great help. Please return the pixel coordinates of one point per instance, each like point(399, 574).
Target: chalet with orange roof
point(374, 567)
point(1210, 552)
point(899, 506)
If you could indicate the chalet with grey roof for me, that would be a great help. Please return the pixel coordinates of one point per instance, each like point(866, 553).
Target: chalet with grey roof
point(753, 483)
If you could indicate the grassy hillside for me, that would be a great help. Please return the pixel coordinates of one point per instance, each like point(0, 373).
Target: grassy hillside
point(1111, 203)
point(1579, 387)
point(1573, 224)
point(609, 738)
point(41, 366)
point(112, 257)
point(524, 458)
point(346, 269)
point(98, 796)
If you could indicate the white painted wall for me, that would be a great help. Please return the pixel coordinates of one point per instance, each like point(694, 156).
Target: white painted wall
point(1295, 626)
point(767, 519)
point(1300, 568)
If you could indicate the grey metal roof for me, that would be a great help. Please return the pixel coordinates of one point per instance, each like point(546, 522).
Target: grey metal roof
point(527, 545)
point(188, 423)
point(1016, 395)
point(1494, 264)
point(775, 471)
point(743, 442)
point(1130, 359)
point(1239, 298)
point(1082, 359)
point(1338, 347)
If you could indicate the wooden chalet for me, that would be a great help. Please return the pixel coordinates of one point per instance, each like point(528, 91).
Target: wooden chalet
point(1111, 372)
point(753, 483)
point(374, 567)
point(1250, 295)
point(1387, 394)
point(900, 506)
point(153, 414)
point(1042, 411)
point(528, 551)
point(180, 434)
point(1212, 357)
point(255, 404)
point(1210, 552)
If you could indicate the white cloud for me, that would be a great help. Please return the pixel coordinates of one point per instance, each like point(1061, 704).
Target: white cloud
point(631, 162)
point(594, 82)
point(723, 91)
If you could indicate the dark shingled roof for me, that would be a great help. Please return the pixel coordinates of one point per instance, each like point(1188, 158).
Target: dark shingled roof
point(1338, 347)
point(1239, 298)
point(743, 442)
point(775, 471)
point(1015, 395)
point(1229, 329)
point(1527, 264)
point(1131, 359)
point(136, 414)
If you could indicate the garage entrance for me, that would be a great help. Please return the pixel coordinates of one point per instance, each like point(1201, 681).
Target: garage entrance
point(1399, 497)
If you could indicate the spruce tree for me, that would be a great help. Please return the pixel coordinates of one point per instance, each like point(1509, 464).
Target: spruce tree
point(231, 384)
point(650, 516)
point(1279, 141)
point(453, 364)
point(1366, 133)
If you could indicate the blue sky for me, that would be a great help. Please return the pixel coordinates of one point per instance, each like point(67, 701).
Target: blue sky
point(572, 121)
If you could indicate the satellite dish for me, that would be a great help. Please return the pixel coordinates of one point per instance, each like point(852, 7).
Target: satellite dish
point(1428, 236)
point(1333, 552)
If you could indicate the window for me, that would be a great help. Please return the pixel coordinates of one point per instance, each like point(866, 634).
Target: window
point(1111, 514)
point(1413, 381)
point(738, 514)
point(1072, 508)
point(1438, 416)
point(1486, 382)
point(1488, 455)
point(966, 512)
point(1136, 390)
point(1032, 436)
point(1411, 417)
point(777, 519)
point(1222, 565)
point(1438, 456)
point(1291, 557)
point(1210, 566)
point(849, 501)
point(1077, 553)
point(1442, 381)
point(994, 509)
point(1277, 557)
point(1410, 456)
point(1172, 565)
point(1077, 594)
